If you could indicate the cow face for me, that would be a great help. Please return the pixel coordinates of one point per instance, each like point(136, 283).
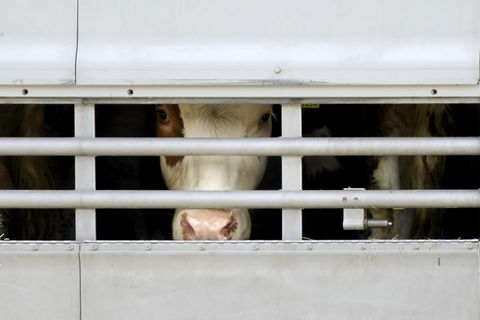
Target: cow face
point(212, 172)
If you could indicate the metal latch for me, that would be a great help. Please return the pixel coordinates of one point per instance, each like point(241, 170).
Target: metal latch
point(355, 219)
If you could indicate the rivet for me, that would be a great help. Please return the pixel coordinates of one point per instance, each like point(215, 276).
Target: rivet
point(70, 248)
point(255, 247)
point(278, 70)
point(35, 248)
point(202, 248)
point(344, 199)
point(95, 248)
point(148, 248)
point(363, 248)
point(416, 248)
point(470, 247)
point(309, 247)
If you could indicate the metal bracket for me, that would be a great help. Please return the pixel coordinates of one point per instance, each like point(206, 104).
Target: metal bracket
point(355, 219)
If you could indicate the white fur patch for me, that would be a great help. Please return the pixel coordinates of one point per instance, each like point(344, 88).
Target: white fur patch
point(387, 173)
point(220, 172)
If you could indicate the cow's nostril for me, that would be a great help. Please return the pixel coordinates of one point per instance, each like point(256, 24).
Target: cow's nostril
point(188, 231)
point(229, 230)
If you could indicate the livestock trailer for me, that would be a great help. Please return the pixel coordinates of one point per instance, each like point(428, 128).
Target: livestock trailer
point(90, 54)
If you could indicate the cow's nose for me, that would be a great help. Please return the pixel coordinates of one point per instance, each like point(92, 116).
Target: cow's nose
point(208, 224)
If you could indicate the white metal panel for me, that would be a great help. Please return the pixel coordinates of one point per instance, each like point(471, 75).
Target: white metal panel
point(319, 41)
point(39, 281)
point(309, 280)
point(274, 93)
point(37, 41)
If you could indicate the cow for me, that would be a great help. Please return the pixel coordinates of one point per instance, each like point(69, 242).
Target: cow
point(382, 172)
point(415, 172)
point(212, 172)
point(27, 172)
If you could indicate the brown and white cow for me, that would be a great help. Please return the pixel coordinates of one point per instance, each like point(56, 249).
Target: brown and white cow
point(26, 172)
point(212, 172)
point(416, 172)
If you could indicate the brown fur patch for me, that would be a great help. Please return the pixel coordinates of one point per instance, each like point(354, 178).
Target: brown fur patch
point(169, 123)
point(5, 179)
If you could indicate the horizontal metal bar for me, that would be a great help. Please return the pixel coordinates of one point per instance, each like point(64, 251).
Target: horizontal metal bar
point(241, 199)
point(448, 247)
point(238, 146)
point(252, 90)
point(228, 100)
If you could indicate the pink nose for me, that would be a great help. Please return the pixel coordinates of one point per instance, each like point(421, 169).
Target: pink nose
point(208, 224)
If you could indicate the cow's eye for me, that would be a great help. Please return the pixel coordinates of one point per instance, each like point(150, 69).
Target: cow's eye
point(162, 116)
point(265, 117)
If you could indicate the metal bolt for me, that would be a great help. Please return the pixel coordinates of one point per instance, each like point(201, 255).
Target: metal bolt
point(344, 199)
point(148, 248)
point(309, 247)
point(278, 70)
point(202, 248)
point(95, 248)
point(35, 248)
point(70, 248)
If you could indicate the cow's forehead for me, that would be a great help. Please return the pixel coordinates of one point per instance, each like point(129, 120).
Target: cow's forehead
point(213, 111)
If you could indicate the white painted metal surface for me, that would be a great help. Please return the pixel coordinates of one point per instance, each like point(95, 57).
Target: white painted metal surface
point(240, 280)
point(304, 41)
point(39, 281)
point(228, 93)
point(37, 42)
point(255, 280)
point(85, 173)
point(292, 171)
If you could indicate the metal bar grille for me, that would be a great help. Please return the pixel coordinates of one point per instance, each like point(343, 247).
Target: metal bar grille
point(85, 199)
